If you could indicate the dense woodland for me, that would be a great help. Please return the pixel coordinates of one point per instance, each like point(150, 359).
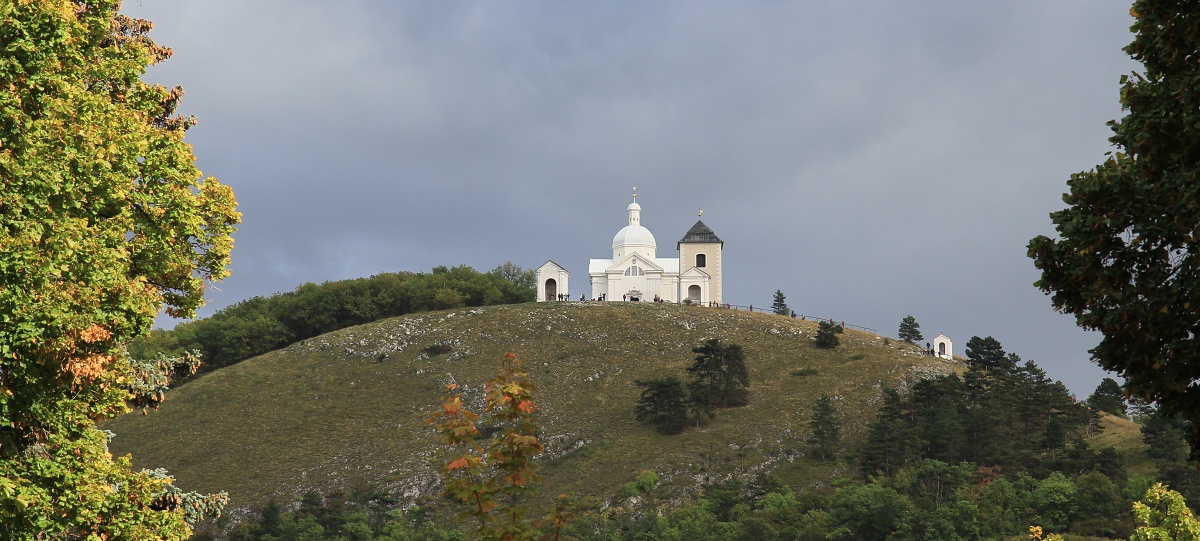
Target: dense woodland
point(981, 455)
point(261, 324)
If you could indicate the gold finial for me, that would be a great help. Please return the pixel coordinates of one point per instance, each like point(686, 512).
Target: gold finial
point(700, 212)
point(635, 193)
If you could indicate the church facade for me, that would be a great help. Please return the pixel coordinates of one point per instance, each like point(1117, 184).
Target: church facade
point(636, 273)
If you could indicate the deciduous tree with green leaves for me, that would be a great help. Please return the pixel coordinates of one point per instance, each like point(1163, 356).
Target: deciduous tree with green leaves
point(1126, 257)
point(104, 219)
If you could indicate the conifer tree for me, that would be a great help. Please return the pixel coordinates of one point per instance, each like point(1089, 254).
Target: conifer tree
point(825, 429)
point(985, 352)
point(910, 330)
point(827, 335)
point(779, 304)
point(1108, 397)
point(719, 375)
point(664, 403)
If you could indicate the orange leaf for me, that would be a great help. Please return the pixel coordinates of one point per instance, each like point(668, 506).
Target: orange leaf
point(526, 406)
point(456, 464)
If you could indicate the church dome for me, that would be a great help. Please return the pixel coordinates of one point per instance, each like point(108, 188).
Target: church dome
point(634, 235)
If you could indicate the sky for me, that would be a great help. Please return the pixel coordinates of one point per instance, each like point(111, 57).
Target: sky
point(870, 160)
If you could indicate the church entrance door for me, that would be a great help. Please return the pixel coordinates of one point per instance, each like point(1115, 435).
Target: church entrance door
point(694, 293)
point(551, 290)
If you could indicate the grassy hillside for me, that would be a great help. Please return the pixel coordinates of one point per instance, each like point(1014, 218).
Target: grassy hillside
point(350, 406)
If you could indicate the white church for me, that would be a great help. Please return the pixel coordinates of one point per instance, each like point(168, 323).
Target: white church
point(636, 273)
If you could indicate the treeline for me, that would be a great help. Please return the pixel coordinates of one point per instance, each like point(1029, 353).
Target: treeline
point(983, 455)
point(978, 456)
point(261, 324)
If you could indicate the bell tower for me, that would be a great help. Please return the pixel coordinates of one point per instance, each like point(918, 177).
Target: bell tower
point(700, 264)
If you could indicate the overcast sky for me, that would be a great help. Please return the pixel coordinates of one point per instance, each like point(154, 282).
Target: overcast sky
point(869, 159)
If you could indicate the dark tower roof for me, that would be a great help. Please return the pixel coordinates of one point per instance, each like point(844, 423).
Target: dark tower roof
point(700, 233)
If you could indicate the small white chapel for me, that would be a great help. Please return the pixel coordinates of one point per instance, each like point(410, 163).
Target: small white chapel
point(636, 273)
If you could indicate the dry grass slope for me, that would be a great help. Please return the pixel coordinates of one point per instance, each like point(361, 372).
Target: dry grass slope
point(350, 406)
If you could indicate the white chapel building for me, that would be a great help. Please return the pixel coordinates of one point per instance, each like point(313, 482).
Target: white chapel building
point(636, 273)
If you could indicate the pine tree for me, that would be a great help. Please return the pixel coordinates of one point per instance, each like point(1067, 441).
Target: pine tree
point(719, 375)
point(910, 330)
point(663, 402)
point(827, 335)
point(826, 429)
point(779, 306)
point(985, 352)
point(1109, 398)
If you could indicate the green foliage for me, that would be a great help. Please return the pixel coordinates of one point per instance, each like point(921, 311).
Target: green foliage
point(1166, 446)
point(827, 335)
point(664, 403)
point(104, 220)
point(825, 429)
point(1163, 515)
point(1125, 259)
point(779, 304)
point(261, 324)
point(987, 353)
point(643, 484)
point(719, 377)
point(439, 348)
point(1017, 420)
point(1108, 397)
point(866, 513)
point(910, 330)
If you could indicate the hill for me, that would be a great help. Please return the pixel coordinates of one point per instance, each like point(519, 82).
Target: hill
point(350, 406)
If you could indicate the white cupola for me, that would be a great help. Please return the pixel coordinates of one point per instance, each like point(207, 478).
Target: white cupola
point(633, 238)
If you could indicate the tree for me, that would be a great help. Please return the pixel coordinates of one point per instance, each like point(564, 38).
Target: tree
point(1108, 397)
point(779, 306)
point(1127, 254)
point(719, 375)
point(826, 429)
point(104, 220)
point(663, 402)
point(986, 352)
point(525, 281)
point(910, 330)
point(827, 335)
point(493, 482)
point(1163, 514)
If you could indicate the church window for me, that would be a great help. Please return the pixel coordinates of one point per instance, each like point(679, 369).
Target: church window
point(634, 270)
point(700, 260)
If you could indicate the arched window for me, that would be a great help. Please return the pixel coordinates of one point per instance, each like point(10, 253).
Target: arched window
point(700, 260)
point(634, 270)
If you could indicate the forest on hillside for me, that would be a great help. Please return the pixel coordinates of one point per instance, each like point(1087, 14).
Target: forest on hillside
point(261, 324)
point(984, 455)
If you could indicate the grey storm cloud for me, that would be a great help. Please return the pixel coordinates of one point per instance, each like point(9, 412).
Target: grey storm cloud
point(869, 159)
